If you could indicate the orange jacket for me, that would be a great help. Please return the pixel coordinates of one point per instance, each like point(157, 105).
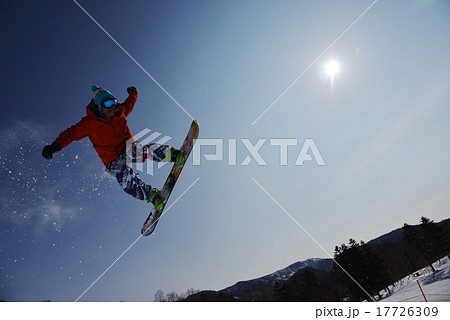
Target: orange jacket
point(109, 138)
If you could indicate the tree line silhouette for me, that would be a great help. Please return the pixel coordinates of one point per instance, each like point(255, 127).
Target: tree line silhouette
point(373, 267)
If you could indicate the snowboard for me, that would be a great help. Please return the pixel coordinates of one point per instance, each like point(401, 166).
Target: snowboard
point(150, 224)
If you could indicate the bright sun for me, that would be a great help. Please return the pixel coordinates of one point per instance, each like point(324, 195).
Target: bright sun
point(332, 68)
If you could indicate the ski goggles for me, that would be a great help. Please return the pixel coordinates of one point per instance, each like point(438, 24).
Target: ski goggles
point(109, 103)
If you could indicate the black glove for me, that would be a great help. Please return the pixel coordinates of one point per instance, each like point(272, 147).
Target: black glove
point(131, 89)
point(48, 151)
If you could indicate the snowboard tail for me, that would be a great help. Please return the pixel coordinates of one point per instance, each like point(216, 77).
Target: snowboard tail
point(150, 224)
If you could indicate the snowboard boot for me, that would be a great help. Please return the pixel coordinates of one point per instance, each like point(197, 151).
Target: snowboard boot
point(175, 155)
point(155, 198)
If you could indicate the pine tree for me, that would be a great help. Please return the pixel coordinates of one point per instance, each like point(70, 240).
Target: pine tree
point(416, 241)
point(364, 266)
point(428, 241)
point(376, 271)
point(435, 239)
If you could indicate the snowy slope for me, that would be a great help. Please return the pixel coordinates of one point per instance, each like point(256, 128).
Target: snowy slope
point(286, 273)
point(280, 275)
point(436, 286)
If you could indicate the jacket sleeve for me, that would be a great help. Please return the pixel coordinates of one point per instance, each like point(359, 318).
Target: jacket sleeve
point(74, 133)
point(128, 104)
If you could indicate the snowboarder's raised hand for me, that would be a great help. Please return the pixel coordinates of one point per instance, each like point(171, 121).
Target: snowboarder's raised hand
point(48, 151)
point(129, 89)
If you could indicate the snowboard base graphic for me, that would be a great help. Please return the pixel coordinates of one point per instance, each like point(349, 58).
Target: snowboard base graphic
point(150, 224)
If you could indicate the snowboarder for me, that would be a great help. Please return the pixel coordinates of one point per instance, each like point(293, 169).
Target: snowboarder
point(106, 126)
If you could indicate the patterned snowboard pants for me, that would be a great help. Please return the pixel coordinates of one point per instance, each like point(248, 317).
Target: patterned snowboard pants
point(129, 180)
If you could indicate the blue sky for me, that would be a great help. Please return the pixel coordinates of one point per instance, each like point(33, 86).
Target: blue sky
point(382, 129)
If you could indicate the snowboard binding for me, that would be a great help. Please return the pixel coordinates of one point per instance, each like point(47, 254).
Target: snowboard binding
point(156, 199)
point(175, 155)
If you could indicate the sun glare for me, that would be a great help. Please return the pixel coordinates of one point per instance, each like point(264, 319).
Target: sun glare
point(332, 68)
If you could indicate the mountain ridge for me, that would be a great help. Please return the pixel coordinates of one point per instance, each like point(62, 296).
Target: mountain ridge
point(322, 264)
point(317, 266)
